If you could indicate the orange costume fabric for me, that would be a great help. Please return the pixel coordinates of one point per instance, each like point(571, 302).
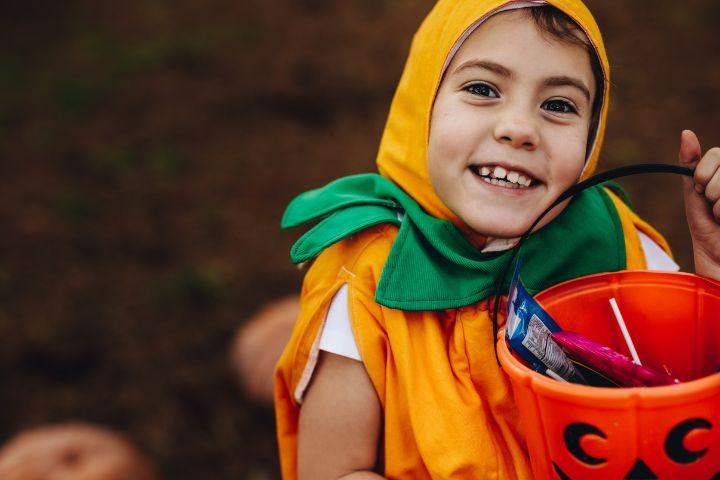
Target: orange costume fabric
point(448, 407)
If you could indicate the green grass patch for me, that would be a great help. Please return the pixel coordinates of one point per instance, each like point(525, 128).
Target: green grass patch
point(201, 288)
point(75, 206)
point(166, 161)
point(74, 97)
point(12, 73)
point(116, 161)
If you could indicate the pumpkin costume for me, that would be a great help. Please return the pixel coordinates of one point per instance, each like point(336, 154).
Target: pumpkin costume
point(420, 292)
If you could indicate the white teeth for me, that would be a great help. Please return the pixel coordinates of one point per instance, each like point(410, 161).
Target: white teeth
point(500, 176)
point(501, 183)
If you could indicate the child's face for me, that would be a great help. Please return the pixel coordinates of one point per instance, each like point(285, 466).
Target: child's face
point(510, 124)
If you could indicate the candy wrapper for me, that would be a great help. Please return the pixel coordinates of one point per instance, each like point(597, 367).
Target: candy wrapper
point(609, 363)
point(528, 333)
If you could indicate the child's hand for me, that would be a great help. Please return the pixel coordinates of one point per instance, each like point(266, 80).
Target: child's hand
point(702, 203)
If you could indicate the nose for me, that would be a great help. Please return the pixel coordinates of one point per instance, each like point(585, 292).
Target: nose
point(517, 130)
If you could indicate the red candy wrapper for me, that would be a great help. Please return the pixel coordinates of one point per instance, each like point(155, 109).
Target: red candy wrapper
point(609, 363)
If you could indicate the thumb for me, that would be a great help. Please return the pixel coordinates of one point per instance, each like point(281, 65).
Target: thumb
point(690, 151)
point(689, 156)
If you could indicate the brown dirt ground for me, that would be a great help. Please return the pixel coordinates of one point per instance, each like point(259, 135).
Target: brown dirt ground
point(148, 150)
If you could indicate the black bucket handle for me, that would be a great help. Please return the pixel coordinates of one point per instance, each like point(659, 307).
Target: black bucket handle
point(570, 192)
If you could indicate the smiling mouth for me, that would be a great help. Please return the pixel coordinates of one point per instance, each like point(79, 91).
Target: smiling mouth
point(502, 177)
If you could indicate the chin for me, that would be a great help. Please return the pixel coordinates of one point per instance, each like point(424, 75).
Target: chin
point(498, 230)
point(505, 221)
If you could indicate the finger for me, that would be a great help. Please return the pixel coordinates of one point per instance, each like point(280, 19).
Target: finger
point(707, 167)
point(712, 188)
point(702, 216)
point(690, 151)
point(689, 155)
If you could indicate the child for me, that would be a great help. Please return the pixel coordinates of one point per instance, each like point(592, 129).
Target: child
point(390, 371)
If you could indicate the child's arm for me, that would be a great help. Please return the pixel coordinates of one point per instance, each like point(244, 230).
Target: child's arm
point(702, 203)
point(340, 422)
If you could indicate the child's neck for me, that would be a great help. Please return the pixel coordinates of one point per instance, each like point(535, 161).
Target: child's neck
point(499, 244)
point(485, 243)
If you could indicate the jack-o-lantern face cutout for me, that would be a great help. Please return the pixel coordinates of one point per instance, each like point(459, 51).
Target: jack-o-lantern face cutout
point(675, 443)
point(574, 433)
point(689, 448)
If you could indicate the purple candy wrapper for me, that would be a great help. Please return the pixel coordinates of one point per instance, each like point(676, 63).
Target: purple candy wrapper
point(615, 366)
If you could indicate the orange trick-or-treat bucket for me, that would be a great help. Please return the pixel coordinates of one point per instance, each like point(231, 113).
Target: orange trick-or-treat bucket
point(580, 432)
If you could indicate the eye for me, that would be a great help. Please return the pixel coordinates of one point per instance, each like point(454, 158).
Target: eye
point(559, 106)
point(482, 90)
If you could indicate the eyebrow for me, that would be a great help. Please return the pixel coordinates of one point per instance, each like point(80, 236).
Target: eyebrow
point(485, 65)
point(563, 81)
point(558, 81)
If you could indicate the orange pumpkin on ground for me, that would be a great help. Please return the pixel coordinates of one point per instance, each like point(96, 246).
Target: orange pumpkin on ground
point(259, 344)
point(72, 451)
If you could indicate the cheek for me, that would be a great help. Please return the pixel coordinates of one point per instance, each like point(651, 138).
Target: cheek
point(443, 138)
point(568, 156)
point(453, 132)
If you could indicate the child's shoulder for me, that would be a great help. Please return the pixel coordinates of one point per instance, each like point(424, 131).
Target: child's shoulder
point(361, 255)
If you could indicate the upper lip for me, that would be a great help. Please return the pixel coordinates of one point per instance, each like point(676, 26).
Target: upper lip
point(510, 166)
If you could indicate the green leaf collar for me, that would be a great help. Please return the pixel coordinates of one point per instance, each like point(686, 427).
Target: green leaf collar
point(431, 265)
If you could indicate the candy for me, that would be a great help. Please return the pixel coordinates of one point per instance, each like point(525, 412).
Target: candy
point(613, 365)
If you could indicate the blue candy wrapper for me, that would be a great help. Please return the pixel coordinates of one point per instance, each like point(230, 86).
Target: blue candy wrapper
point(528, 332)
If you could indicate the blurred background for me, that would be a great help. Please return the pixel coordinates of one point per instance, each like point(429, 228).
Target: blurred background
point(147, 150)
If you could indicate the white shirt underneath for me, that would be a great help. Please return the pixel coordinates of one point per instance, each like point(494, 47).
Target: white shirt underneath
point(337, 336)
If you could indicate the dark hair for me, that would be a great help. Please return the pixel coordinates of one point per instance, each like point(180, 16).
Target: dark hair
point(559, 26)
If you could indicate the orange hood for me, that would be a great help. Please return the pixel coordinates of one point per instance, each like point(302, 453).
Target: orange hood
point(403, 150)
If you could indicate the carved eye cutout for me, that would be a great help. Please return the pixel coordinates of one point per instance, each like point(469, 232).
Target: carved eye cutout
point(574, 436)
point(676, 445)
point(684, 444)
